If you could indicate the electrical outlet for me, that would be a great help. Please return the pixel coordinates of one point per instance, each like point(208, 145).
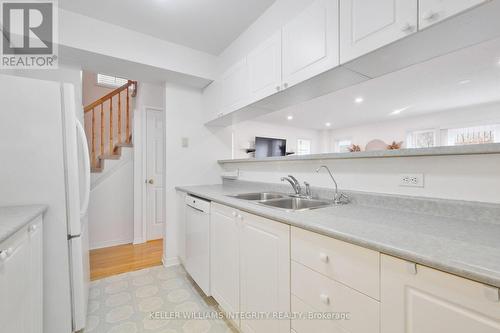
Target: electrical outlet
point(412, 180)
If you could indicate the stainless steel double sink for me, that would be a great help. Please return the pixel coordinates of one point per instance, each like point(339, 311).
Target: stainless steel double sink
point(283, 201)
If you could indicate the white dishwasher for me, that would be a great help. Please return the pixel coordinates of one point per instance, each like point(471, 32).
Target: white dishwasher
point(197, 234)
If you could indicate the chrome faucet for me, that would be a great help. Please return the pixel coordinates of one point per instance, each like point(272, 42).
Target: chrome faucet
point(339, 198)
point(294, 182)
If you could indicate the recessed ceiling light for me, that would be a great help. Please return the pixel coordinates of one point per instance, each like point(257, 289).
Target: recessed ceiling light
point(398, 111)
point(328, 124)
point(464, 82)
point(289, 117)
point(359, 100)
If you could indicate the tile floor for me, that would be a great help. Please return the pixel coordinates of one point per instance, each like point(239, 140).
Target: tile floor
point(124, 303)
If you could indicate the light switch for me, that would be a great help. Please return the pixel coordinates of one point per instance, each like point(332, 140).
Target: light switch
point(185, 142)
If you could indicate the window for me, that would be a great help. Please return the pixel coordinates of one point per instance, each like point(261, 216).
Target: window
point(421, 139)
point(303, 147)
point(110, 81)
point(343, 145)
point(473, 135)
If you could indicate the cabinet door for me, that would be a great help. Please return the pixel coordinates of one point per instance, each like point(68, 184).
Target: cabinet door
point(433, 11)
point(15, 283)
point(265, 273)
point(366, 25)
point(310, 42)
point(419, 299)
point(235, 92)
point(264, 68)
point(35, 233)
point(224, 250)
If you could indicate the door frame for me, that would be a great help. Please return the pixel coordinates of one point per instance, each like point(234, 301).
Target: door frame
point(140, 172)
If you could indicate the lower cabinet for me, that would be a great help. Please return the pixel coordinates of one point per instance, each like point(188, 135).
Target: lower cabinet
point(21, 280)
point(419, 299)
point(250, 268)
point(264, 273)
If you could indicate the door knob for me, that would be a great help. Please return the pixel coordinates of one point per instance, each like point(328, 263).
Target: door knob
point(151, 181)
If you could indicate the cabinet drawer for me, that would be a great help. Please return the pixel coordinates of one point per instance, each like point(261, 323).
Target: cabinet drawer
point(326, 295)
point(352, 265)
point(223, 210)
point(304, 325)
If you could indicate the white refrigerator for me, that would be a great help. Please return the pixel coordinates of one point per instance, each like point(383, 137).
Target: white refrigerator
point(44, 160)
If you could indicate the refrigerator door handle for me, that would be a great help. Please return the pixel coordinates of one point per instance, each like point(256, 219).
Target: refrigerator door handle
point(86, 157)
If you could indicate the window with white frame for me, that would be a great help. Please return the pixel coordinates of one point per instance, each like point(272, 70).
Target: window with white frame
point(303, 147)
point(110, 81)
point(343, 145)
point(421, 139)
point(473, 135)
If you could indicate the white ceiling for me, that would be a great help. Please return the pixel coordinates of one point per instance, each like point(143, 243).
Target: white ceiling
point(467, 77)
point(205, 25)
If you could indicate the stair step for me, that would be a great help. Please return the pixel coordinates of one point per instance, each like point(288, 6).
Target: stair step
point(96, 170)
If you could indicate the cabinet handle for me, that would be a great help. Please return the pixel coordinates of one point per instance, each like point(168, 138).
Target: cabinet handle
point(240, 217)
point(324, 258)
point(324, 298)
point(9, 251)
point(285, 85)
point(3, 255)
point(278, 88)
point(235, 214)
point(430, 15)
point(32, 228)
point(407, 28)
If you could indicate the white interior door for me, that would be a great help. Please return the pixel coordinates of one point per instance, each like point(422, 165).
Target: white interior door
point(154, 172)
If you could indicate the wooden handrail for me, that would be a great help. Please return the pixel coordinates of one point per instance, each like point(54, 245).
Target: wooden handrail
point(111, 140)
point(104, 98)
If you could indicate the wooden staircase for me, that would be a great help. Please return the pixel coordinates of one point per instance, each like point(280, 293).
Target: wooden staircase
point(109, 133)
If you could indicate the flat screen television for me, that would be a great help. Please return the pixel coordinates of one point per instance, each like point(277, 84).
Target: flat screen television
point(268, 147)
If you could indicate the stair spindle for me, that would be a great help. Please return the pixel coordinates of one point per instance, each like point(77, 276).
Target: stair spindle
point(111, 125)
point(101, 139)
point(127, 130)
point(119, 117)
point(93, 138)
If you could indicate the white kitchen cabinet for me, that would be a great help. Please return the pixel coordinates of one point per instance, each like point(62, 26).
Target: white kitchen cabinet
point(264, 272)
point(433, 11)
point(234, 85)
point(264, 68)
point(21, 280)
point(310, 42)
point(181, 222)
point(211, 99)
point(225, 263)
point(419, 299)
point(366, 25)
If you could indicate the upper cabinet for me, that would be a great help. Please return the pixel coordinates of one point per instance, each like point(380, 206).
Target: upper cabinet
point(366, 25)
point(310, 42)
point(264, 68)
point(433, 11)
point(234, 84)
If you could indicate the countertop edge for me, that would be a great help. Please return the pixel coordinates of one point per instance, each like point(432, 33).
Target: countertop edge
point(34, 211)
point(366, 243)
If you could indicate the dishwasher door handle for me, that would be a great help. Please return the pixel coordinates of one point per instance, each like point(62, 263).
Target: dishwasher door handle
point(197, 209)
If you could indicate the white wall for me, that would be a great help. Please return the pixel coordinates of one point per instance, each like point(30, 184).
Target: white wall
point(245, 133)
point(397, 129)
point(474, 178)
point(84, 33)
point(111, 206)
point(195, 164)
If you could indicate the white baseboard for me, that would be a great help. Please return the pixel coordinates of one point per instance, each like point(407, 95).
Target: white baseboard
point(139, 241)
point(168, 262)
point(110, 243)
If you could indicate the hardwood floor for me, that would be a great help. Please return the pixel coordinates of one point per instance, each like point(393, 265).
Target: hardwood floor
point(124, 258)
